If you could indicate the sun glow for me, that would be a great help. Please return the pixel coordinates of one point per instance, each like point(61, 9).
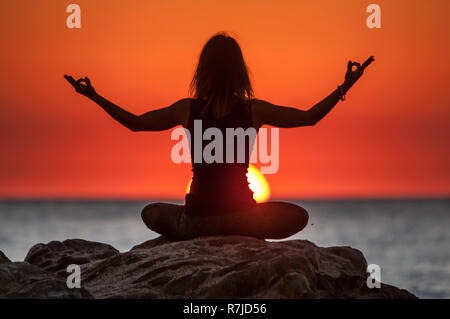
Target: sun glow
point(258, 185)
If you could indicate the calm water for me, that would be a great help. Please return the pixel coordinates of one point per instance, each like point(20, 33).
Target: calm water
point(408, 239)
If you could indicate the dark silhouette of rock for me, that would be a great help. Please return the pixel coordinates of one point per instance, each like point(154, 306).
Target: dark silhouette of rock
point(233, 267)
point(205, 267)
point(55, 256)
point(152, 243)
point(23, 280)
point(3, 258)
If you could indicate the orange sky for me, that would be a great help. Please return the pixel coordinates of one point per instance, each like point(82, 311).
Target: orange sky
point(390, 138)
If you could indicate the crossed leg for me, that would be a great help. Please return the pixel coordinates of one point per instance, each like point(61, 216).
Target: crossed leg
point(271, 220)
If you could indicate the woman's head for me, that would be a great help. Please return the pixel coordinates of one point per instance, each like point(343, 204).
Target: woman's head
point(221, 74)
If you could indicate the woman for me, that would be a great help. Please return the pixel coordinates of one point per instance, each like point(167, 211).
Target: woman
point(220, 201)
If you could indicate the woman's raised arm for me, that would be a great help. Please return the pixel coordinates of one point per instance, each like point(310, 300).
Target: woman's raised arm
point(156, 120)
point(281, 116)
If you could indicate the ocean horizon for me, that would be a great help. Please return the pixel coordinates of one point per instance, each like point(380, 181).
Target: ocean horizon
point(408, 238)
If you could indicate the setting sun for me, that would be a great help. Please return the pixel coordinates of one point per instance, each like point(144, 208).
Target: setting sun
point(258, 185)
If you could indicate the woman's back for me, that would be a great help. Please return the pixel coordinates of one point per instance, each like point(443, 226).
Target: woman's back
point(219, 184)
point(222, 187)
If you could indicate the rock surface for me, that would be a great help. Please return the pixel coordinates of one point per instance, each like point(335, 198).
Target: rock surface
point(214, 267)
point(56, 256)
point(23, 280)
point(3, 258)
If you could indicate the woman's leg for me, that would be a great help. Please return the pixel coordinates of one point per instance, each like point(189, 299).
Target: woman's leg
point(163, 218)
point(171, 221)
point(271, 220)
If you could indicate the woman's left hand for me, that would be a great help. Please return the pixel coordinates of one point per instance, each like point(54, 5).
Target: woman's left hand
point(353, 75)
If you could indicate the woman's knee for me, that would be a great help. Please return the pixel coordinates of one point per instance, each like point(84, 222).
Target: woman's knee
point(297, 214)
point(303, 217)
point(150, 214)
point(296, 218)
point(282, 219)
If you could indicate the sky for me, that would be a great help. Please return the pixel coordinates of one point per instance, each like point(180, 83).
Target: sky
point(389, 138)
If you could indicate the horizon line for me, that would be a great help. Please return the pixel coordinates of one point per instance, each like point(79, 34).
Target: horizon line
point(181, 199)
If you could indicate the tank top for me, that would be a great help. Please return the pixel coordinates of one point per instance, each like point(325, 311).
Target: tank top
point(219, 187)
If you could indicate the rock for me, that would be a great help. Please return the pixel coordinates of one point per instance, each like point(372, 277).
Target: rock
point(233, 267)
point(23, 280)
point(152, 243)
point(55, 256)
point(206, 267)
point(3, 258)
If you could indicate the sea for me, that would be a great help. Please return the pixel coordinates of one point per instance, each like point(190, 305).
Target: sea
point(408, 239)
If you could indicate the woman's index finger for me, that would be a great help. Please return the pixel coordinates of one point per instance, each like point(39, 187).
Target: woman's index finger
point(70, 79)
point(367, 62)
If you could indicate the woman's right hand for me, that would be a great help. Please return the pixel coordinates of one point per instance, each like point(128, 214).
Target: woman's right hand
point(84, 89)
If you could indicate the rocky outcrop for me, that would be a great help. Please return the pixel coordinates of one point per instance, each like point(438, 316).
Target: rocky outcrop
point(23, 280)
point(3, 258)
point(215, 267)
point(55, 256)
point(234, 267)
point(43, 274)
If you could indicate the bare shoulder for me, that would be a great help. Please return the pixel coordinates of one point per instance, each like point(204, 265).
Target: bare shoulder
point(183, 103)
point(181, 110)
point(258, 103)
point(260, 108)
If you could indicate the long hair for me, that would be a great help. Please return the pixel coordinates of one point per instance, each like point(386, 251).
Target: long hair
point(221, 75)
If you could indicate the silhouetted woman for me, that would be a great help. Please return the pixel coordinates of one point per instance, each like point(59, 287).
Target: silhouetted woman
point(220, 201)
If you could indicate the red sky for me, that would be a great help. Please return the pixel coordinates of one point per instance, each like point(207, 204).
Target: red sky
point(390, 138)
